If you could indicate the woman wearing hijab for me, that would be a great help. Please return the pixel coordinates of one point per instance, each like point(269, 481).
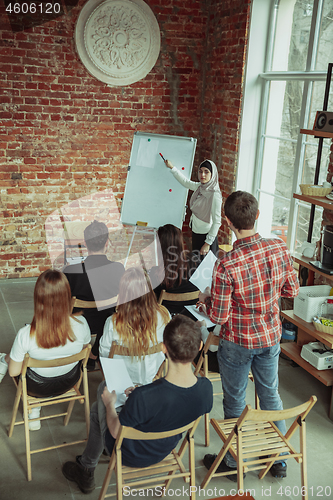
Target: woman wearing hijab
point(205, 204)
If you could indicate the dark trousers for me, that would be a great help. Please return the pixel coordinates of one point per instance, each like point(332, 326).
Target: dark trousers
point(199, 239)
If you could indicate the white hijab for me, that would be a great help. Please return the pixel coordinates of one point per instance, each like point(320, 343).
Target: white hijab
point(202, 199)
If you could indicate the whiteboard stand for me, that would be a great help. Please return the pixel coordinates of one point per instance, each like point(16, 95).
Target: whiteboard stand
point(153, 197)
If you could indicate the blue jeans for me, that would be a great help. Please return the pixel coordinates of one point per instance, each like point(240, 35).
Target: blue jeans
point(235, 363)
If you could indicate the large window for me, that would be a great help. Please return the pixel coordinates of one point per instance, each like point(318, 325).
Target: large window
point(299, 46)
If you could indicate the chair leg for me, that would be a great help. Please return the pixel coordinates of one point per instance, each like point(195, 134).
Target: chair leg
point(304, 473)
point(257, 402)
point(207, 434)
point(27, 439)
point(15, 408)
point(240, 479)
point(191, 468)
point(107, 478)
point(119, 476)
point(214, 466)
point(86, 401)
point(69, 412)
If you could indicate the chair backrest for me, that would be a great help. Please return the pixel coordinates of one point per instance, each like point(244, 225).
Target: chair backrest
point(92, 304)
point(130, 433)
point(226, 248)
point(300, 412)
point(212, 339)
point(178, 297)
point(121, 350)
point(50, 363)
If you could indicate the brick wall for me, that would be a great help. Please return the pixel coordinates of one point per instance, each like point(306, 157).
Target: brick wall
point(227, 33)
point(65, 135)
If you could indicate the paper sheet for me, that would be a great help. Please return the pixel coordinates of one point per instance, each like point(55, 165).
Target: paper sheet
point(116, 377)
point(193, 310)
point(202, 277)
point(148, 149)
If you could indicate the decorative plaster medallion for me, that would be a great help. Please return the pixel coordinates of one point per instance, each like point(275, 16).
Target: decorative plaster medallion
point(118, 41)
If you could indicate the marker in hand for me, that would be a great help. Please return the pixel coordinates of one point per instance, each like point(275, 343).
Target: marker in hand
point(162, 157)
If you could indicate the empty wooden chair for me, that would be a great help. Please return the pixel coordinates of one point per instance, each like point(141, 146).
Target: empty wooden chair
point(159, 475)
point(70, 396)
point(255, 442)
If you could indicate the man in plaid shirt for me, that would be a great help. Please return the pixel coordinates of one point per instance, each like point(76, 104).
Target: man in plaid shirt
point(247, 284)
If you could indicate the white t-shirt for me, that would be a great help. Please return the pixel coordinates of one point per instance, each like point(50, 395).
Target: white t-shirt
point(25, 343)
point(142, 371)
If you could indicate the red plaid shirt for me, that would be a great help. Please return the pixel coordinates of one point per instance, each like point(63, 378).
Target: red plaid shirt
point(247, 284)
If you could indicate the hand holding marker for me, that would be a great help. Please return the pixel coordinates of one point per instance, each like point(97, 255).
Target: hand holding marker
point(167, 162)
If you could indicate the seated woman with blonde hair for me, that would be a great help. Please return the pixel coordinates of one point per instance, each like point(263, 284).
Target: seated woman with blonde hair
point(53, 333)
point(137, 324)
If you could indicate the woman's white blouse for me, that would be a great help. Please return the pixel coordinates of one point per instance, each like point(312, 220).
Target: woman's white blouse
point(198, 226)
point(143, 370)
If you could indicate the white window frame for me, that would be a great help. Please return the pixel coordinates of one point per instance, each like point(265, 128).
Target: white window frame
point(256, 94)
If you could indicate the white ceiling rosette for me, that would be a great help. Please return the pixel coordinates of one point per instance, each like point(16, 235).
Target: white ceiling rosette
point(118, 41)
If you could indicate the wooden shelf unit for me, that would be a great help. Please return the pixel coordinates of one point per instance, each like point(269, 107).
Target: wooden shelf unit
point(315, 200)
point(309, 329)
point(305, 262)
point(293, 351)
point(306, 331)
point(316, 133)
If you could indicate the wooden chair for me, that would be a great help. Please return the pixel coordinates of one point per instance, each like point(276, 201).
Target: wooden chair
point(92, 304)
point(121, 350)
point(153, 476)
point(255, 442)
point(201, 368)
point(70, 396)
point(178, 297)
point(225, 248)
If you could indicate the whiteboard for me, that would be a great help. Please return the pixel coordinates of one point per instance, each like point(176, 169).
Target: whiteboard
point(153, 197)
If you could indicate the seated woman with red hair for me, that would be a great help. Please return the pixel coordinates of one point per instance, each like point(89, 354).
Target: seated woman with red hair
point(53, 333)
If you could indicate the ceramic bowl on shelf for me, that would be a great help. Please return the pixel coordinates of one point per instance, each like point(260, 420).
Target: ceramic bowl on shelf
point(313, 190)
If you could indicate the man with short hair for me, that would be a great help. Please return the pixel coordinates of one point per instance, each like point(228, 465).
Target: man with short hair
point(96, 278)
point(166, 404)
point(247, 284)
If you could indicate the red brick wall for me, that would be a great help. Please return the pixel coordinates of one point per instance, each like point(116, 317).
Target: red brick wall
point(65, 135)
point(227, 40)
